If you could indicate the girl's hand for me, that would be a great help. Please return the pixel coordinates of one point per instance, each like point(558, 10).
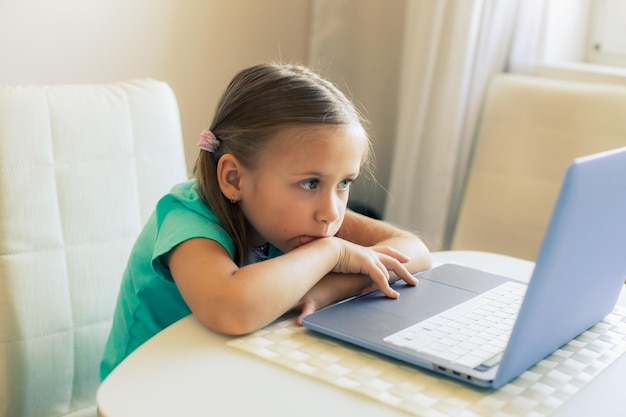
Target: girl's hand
point(307, 306)
point(375, 262)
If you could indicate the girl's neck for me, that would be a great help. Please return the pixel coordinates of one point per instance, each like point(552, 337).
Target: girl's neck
point(256, 240)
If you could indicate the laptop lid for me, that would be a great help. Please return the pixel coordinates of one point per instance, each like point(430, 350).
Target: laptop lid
point(581, 267)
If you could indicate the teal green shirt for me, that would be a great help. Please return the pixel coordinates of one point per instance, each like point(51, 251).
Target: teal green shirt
point(149, 300)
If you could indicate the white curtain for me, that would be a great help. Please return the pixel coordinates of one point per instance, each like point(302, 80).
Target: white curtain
point(528, 39)
point(452, 48)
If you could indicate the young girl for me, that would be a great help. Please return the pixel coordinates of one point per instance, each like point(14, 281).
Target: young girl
point(263, 228)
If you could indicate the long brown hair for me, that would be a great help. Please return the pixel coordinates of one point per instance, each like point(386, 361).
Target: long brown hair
point(258, 102)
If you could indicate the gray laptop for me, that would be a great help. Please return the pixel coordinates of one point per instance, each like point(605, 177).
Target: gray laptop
point(486, 329)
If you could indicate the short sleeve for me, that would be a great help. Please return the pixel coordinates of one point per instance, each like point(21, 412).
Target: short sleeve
point(181, 216)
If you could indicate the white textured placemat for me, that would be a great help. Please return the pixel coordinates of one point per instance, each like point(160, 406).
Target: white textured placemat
point(537, 392)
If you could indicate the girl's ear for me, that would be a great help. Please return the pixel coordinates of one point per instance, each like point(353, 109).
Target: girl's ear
point(229, 176)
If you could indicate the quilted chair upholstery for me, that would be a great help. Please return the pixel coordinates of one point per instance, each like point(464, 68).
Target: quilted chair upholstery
point(531, 129)
point(81, 168)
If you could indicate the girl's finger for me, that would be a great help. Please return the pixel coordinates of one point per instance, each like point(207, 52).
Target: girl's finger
point(400, 270)
point(405, 275)
point(394, 253)
point(380, 275)
point(307, 308)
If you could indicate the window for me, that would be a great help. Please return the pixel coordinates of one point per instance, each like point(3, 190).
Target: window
point(584, 40)
point(607, 33)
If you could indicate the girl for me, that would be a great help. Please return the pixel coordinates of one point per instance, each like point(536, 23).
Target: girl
point(271, 184)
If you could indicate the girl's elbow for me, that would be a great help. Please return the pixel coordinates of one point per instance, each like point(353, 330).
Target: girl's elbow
point(230, 326)
point(424, 258)
point(426, 261)
point(233, 317)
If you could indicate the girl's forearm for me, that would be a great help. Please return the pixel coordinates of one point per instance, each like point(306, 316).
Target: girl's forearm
point(244, 299)
point(335, 287)
point(257, 294)
point(295, 277)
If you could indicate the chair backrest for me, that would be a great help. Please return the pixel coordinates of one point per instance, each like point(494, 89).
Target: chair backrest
point(531, 129)
point(81, 168)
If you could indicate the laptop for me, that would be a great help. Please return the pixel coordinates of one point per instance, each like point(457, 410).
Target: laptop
point(506, 326)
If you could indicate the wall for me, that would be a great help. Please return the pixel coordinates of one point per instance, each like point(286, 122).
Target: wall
point(359, 46)
point(197, 46)
point(194, 45)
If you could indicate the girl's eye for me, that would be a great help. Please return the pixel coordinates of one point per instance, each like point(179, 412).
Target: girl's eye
point(345, 184)
point(309, 184)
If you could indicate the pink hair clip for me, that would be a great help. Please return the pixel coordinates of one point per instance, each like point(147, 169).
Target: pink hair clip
point(208, 141)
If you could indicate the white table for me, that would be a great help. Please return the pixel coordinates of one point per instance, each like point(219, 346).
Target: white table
point(187, 370)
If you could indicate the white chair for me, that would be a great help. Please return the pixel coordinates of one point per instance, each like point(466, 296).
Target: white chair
point(531, 128)
point(81, 168)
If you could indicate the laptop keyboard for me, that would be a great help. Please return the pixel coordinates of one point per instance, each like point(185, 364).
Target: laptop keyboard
point(473, 333)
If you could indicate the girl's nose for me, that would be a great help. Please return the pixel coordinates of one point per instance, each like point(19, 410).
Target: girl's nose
point(329, 209)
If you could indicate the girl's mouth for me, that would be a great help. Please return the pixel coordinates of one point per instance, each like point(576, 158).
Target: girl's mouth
point(303, 240)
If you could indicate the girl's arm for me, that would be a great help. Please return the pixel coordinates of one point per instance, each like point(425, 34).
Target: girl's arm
point(367, 232)
point(234, 300)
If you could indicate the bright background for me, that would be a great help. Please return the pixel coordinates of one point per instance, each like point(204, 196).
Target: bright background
point(197, 46)
point(419, 68)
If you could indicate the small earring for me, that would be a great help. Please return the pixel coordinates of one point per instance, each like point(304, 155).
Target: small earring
point(233, 201)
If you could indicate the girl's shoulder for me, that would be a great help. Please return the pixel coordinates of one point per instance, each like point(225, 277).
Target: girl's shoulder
point(182, 214)
point(185, 191)
point(185, 196)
